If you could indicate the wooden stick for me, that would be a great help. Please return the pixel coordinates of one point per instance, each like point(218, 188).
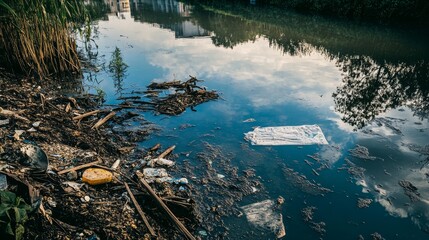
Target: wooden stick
point(156, 147)
point(104, 120)
point(136, 204)
point(179, 225)
point(162, 155)
point(176, 202)
point(86, 115)
point(166, 152)
point(79, 167)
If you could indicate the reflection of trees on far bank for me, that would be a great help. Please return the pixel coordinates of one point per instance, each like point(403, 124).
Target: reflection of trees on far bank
point(382, 68)
point(371, 88)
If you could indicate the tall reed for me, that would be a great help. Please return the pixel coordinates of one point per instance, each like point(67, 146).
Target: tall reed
point(38, 35)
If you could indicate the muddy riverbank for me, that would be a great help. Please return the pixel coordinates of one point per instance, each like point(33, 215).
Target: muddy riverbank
point(71, 133)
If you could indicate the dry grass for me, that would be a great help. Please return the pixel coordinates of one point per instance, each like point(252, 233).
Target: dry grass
point(38, 35)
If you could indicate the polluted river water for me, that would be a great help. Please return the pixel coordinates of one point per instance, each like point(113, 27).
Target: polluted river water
point(366, 87)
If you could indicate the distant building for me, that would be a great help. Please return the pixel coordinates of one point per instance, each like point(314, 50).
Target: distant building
point(183, 29)
point(118, 5)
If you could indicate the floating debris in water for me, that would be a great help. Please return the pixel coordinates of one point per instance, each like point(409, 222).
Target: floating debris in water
point(249, 120)
point(410, 190)
point(364, 202)
point(301, 182)
point(263, 215)
point(361, 152)
point(308, 214)
point(377, 236)
point(286, 135)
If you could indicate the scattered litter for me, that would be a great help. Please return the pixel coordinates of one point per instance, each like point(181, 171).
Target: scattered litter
point(249, 120)
point(220, 176)
point(301, 182)
point(96, 176)
point(35, 157)
point(410, 190)
point(377, 236)
point(164, 162)
point(280, 200)
point(202, 233)
point(262, 215)
point(308, 215)
point(364, 202)
point(116, 164)
point(74, 185)
point(286, 135)
point(36, 124)
point(4, 122)
point(361, 152)
point(17, 135)
point(154, 172)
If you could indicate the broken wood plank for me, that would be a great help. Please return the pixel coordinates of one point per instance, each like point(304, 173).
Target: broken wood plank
point(104, 120)
point(173, 218)
point(136, 204)
point(79, 167)
point(79, 117)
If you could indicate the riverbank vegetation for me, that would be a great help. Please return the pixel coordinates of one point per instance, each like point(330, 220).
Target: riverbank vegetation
point(37, 36)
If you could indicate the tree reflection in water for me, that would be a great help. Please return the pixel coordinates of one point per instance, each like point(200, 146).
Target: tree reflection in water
point(370, 89)
point(382, 68)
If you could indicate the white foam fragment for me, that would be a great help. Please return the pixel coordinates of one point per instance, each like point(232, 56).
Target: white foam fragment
point(262, 215)
point(286, 135)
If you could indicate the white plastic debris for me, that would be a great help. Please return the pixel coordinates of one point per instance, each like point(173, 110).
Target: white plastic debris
point(220, 176)
point(262, 215)
point(74, 185)
point(286, 135)
point(4, 122)
point(181, 181)
point(155, 172)
point(164, 162)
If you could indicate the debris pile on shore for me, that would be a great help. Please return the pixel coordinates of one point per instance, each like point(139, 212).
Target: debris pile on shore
point(81, 180)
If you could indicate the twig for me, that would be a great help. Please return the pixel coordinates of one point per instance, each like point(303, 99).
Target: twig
point(104, 120)
point(166, 152)
point(136, 204)
point(79, 117)
point(162, 155)
point(179, 225)
point(156, 147)
point(177, 202)
point(43, 212)
point(79, 167)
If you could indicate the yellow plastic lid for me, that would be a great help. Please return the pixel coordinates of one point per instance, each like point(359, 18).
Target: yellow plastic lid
point(95, 176)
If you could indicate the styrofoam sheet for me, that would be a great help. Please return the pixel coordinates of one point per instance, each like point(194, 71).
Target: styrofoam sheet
point(286, 135)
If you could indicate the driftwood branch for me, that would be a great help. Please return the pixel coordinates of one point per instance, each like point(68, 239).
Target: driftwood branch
point(79, 117)
point(104, 120)
point(136, 204)
point(79, 167)
point(173, 218)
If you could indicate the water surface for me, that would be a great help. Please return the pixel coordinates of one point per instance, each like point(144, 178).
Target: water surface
point(365, 86)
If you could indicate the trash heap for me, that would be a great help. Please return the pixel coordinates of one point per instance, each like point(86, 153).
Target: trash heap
point(65, 174)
